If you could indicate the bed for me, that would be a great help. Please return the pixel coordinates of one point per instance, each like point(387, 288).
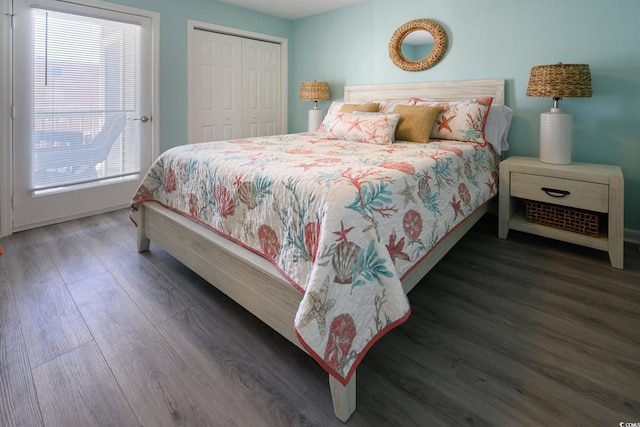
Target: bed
point(353, 237)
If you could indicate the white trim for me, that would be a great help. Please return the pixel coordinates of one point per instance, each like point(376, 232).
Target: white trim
point(6, 214)
point(113, 7)
point(155, 75)
point(6, 95)
point(284, 61)
point(154, 114)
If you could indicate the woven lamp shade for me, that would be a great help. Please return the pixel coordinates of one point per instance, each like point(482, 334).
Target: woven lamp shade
point(560, 81)
point(314, 91)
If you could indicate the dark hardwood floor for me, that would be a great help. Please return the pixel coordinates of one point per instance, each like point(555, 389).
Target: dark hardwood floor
point(519, 332)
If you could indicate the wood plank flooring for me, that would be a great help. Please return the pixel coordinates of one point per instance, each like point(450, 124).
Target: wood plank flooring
point(519, 332)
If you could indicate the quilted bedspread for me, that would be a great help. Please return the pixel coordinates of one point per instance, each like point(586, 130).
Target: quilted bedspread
point(343, 221)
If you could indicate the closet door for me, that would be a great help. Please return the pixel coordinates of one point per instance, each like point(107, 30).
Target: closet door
point(261, 92)
point(216, 94)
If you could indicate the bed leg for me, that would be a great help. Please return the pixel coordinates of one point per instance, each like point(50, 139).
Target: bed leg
point(143, 242)
point(344, 397)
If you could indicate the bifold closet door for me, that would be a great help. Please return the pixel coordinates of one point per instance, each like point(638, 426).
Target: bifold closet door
point(260, 88)
point(236, 89)
point(216, 90)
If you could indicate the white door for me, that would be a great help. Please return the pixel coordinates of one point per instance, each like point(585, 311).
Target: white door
point(261, 88)
point(216, 98)
point(82, 95)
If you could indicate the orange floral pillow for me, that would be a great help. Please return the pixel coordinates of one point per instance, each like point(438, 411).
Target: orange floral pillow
point(461, 120)
point(377, 129)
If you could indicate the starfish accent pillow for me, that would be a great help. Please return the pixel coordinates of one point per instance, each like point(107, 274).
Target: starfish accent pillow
point(461, 120)
point(377, 129)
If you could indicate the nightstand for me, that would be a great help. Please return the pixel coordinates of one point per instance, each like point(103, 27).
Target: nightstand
point(583, 187)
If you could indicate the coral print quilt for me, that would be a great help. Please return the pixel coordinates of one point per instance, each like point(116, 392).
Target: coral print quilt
point(343, 221)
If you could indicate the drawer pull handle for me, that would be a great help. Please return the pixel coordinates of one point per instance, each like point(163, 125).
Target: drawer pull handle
point(555, 193)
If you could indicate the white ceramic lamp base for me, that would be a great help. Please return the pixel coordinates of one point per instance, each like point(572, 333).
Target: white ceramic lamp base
point(555, 137)
point(315, 118)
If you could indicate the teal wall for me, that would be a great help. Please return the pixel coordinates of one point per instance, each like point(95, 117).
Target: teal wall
point(496, 39)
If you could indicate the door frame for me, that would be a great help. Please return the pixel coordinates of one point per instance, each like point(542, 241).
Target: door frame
point(193, 25)
point(6, 93)
point(6, 172)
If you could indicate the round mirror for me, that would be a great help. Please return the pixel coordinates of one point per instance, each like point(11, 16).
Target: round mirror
point(418, 45)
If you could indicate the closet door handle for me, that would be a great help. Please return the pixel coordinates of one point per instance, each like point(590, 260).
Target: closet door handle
point(552, 192)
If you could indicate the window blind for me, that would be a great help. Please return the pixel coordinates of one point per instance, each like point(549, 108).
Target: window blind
point(85, 81)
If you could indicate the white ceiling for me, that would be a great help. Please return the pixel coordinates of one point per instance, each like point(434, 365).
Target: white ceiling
point(292, 9)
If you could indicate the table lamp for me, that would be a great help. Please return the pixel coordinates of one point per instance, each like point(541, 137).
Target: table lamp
point(558, 81)
point(314, 91)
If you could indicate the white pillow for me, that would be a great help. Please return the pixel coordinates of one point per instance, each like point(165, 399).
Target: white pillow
point(497, 127)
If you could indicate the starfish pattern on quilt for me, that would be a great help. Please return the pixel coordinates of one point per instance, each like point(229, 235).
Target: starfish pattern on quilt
point(320, 306)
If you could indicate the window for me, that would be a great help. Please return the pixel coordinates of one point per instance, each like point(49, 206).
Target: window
point(84, 95)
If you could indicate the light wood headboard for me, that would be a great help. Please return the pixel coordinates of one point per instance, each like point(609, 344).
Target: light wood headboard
point(439, 91)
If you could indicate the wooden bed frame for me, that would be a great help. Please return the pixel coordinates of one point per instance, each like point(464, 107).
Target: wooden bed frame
point(254, 282)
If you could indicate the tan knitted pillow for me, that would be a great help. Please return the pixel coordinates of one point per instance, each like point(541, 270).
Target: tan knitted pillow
point(369, 108)
point(416, 122)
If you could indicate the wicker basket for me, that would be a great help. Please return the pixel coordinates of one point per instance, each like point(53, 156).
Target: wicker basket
point(569, 219)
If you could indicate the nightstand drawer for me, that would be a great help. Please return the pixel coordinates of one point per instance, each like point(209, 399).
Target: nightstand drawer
point(564, 192)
